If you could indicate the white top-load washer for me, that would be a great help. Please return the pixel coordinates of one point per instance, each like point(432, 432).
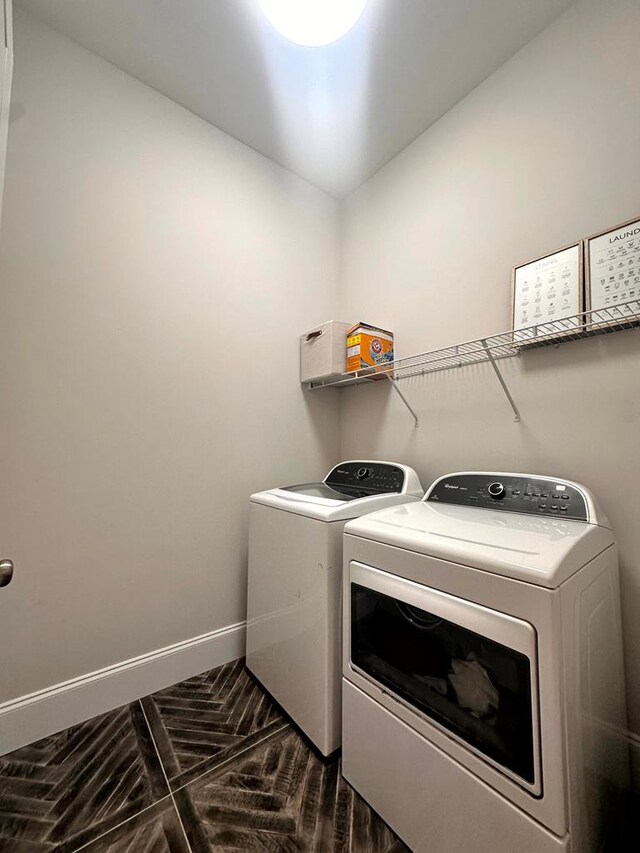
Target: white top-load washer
point(483, 683)
point(294, 586)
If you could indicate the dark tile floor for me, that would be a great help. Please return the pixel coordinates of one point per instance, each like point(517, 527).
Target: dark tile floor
point(624, 835)
point(209, 764)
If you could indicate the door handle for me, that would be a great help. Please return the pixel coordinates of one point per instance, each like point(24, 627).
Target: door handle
point(6, 572)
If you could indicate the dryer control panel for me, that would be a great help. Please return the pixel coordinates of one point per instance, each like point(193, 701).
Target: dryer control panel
point(370, 478)
point(512, 493)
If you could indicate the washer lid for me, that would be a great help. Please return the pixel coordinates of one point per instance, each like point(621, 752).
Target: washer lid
point(321, 490)
point(349, 490)
point(539, 550)
point(327, 509)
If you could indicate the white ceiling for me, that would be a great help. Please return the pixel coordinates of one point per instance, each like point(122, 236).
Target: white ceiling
point(332, 115)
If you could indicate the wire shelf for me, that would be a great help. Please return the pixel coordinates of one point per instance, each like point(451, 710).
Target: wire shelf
point(626, 315)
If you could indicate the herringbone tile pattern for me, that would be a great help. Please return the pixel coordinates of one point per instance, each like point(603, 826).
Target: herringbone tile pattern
point(280, 797)
point(155, 830)
point(205, 720)
point(210, 764)
point(95, 774)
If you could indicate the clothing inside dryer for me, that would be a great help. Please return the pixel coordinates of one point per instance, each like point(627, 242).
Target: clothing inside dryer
point(474, 687)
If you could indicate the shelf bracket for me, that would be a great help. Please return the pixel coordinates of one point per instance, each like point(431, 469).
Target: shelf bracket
point(394, 385)
point(492, 360)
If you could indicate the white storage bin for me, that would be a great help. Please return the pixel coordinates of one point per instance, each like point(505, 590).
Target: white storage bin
point(323, 351)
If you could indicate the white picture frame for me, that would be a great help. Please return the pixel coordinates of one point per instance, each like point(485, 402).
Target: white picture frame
point(545, 293)
point(612, 260)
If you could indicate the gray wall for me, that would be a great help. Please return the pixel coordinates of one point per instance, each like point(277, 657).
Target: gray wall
point(155, 274)
point(543, 153)
point(154, 277)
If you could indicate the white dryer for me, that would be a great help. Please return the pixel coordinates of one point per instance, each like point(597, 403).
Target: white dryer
point(294, 586)
point(483, 683)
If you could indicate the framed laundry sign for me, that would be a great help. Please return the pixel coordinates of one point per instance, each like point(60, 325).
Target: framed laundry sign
point(613, 271)
point(547, 291)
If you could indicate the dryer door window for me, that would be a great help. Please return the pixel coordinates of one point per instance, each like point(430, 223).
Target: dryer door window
point(452, 669)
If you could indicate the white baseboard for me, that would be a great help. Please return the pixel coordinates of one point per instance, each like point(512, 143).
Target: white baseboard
point(29, 718)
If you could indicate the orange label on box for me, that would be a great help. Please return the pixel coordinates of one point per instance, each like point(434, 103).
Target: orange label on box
point(368, 346)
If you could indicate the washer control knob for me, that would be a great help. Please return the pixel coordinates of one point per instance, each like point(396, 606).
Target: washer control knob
point(497, 490)
point(362, 473)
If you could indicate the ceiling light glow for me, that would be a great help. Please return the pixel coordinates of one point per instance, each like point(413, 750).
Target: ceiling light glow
point(312, 23)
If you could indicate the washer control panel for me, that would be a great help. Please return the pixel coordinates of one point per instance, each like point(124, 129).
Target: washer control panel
point(512, 493)
point(367, 477)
